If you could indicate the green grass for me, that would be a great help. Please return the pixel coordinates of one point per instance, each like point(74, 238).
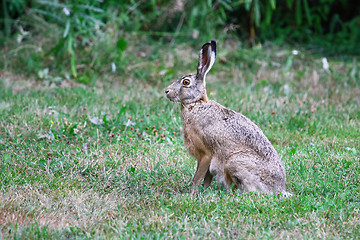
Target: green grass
point(106, 160)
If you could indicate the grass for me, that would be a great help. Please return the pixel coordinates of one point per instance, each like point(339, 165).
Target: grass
point(106, 160)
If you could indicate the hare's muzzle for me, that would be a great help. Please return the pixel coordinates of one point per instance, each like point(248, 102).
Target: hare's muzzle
point(170, 94)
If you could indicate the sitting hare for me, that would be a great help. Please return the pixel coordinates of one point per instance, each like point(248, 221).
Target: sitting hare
point(225, 143)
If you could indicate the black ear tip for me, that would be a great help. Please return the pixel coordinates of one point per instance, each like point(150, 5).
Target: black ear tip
point(213, 45)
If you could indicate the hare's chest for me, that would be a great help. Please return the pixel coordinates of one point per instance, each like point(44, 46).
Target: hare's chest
point(194, 141)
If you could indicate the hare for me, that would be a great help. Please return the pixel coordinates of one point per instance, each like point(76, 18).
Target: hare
point(226, 144)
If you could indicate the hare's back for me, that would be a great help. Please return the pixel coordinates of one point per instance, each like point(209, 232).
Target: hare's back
point(233, 131)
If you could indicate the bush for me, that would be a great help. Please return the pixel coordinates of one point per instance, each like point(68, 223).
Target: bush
point(82, 35)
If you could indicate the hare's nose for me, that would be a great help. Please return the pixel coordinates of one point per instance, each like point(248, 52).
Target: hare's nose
point(167, 91)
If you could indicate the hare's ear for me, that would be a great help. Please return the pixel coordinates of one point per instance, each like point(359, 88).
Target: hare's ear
point(206, 59)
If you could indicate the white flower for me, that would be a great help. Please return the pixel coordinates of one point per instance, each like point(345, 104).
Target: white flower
point(325, 63)
point(295, 52)
point(66, 11)
point(21, 35)
point(129, 123)
point(287, 89)
point(195, 34)
point(113, 67)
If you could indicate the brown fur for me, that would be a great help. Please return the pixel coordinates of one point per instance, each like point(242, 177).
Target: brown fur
point(225, 143)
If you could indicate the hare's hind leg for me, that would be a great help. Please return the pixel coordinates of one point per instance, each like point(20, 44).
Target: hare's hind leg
point(243, 173)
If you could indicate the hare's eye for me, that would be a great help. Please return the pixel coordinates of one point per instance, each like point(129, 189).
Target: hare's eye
point(186, 81)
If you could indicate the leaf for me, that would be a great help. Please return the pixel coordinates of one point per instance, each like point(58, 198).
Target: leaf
point(121, 45)
point(292, 151)
point(91, 8)
point(55, 50)
point(105, 120)
point(83, 79)
point(122, 111)
point(257, 12)
point(268, 15)
point(73, 65)
point(226, 5)
point(67, 28)
point(298, 15)
point(263, 82)
point(223, 14)
point(54, 134)
point(247, 5)
point(131, 169)
point(72, 55)
point(307, 12)
point(289, 3)
point(273, 4)
point(288, 63)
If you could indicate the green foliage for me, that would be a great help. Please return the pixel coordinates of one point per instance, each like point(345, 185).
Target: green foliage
point(306, 21)
point(76, 45)
point(79, 21)
point(9, 11)
point(79, 39)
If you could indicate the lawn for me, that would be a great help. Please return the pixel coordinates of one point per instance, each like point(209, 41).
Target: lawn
point(107, 160)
